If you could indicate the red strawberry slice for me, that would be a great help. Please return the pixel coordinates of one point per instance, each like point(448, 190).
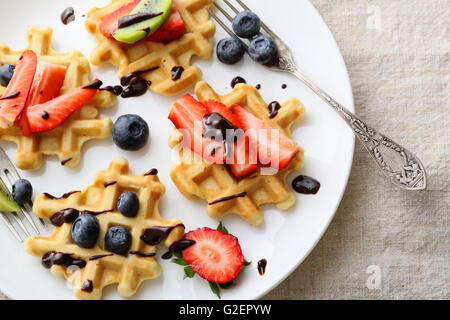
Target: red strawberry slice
point(215, 256)
point(274, 148)
point(187, 116)
point(48, 115)
point(47, 83)
point(173, 29)
point(110, 23)
point(242, 162)
point(18, 89)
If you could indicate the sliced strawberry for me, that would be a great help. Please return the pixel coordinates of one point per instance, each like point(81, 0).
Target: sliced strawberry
point(215, 256)
point(18, 89)
point(48, 81)
point(110, 23)
point(187, 116)
point(274, 148)
point(48, 115)
point(173, 29)
point(243, 161)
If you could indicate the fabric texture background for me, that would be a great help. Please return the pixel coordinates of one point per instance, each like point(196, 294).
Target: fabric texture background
point(386, 243)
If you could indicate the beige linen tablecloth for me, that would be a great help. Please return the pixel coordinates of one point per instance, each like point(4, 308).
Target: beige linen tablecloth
point(385, 242)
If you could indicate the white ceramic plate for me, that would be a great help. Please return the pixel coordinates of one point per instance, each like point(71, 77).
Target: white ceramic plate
point(285, 238)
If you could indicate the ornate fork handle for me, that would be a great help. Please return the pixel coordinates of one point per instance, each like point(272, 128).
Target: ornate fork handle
point(400, 165)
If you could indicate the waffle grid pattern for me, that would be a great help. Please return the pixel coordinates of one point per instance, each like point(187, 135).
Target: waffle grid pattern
point(128, 271)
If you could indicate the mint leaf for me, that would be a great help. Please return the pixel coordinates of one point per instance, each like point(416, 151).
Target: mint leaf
point(188, 272)
point(222, 228)
point(227, 285)
point(247, 263)
point(179, 261)
point(214, 288)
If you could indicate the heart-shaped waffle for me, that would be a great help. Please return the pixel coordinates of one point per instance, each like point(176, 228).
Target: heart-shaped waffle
point(66, 140)
point(145, 55)
point(128, 271)
point(196, 178)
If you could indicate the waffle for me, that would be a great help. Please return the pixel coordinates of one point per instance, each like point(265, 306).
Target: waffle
point(66, 140)
point(144, 55)
point(127, 271)
point(211, 182)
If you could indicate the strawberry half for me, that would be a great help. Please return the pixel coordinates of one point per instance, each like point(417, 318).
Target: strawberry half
point(48, 80)
point(173, 29)
point(187, 116)
point(215, 256)
point(243, 160)
point(274, 148)
point(18, 89)
point(110, 23)
point(49, 115)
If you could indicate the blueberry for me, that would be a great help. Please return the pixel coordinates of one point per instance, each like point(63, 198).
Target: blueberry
point(6, 73)
point(230, 50)
point(263, 49)
point(246, 24)
point(128, 204)
point(22, 191)
point(118, 240)
point(130, 132)
point(85, 230)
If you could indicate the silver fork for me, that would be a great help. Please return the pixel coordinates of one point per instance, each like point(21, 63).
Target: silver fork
point(401, 166)
point(6, 167)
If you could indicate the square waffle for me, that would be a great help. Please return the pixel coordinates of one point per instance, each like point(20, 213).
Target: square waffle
point(128, 271)
point(211, 182)
point(66, 140)
point(144, 55)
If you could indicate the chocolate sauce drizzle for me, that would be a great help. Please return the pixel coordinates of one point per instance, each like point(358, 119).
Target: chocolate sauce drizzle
point(137, 87)
point(143, 255)
point(237, 80)
point(64, 196)
point(125, 80)
point(155, 235)
point(88, 286)
point(61, 259)
point(274, 106)
point(11, 96)
point(94, 85)
point(68, 15)
point(116, 90)
point(178, 246)
point(262, 266)
point(65, 161)
point(306, 185)
point(136, 18)
point(69, 215)
point(151, 172)
point(100, 256)
point(107, 184)
point(219, 128)
point(239, 195)
point(176, 72)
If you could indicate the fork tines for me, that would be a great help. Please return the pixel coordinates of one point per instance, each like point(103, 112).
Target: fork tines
point(7, 168)
point(230, 18)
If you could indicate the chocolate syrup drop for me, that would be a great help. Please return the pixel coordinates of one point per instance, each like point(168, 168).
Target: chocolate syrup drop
point(274, 106)
point(178, 246)
point(262, 266)
point(306, 185)
point(239, 195)
point(100, 256)
point(125, 80)
point(65, 161)
point(143, 255)
point(64, 196)
point(69, 215)
point(136, 18)
point(258, 86)
point(155, 235)
point(61, 259)
point(177, 72)
point(94, 85)
point(137, 87)
point(237, 80)
point(283, 86)
point(107, 184)
point(45, 115)
point(88, 286)
point(219, 128)
point(151, 172)
point(116, 90)
point(11, 96)
point(68, 15)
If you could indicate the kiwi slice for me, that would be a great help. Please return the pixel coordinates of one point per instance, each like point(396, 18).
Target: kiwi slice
point(7, 203)
point(144, 20)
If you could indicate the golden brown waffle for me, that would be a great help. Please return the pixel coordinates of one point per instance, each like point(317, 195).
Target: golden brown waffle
point(144, 55)
point(211, 182)
point(127, 271)
point(66, 140)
